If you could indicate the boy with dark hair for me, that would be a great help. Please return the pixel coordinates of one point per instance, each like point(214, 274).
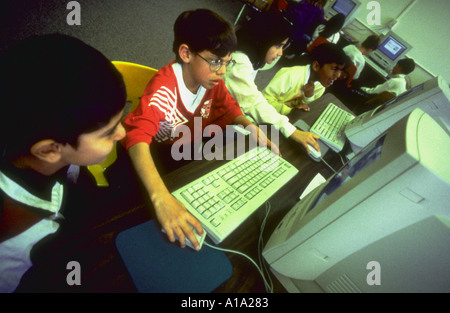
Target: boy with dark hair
point(356, 54)
point(363, 99)
point(406, 66)
point(295, 87)
point(218, 37)
point(397, 83)
point(181, 91)
point(62, 103)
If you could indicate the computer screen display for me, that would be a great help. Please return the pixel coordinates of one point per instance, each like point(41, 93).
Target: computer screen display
point(344, 6)
point(390, 51)
point(392, 48)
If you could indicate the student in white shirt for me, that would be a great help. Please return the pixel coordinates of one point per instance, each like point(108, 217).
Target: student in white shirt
point(397, 83)
point(364, 99)
point(260, 42)
point(356, 54)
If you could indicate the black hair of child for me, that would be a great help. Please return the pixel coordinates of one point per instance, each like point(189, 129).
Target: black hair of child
point(264, 30)
point(55, 87)
point(327, 53)
point(203, 29)
point(333, 25)
point(407, 65)
point(371, 42)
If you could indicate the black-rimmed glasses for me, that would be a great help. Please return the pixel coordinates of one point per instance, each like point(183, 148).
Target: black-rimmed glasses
point(216, 64)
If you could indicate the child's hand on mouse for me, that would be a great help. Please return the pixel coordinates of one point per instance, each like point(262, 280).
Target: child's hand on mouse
point(305, 139)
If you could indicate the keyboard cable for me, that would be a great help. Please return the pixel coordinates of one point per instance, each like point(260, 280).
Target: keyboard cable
point(267, 284)
point(329, 166)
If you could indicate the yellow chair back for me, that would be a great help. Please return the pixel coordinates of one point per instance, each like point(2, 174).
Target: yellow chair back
point(136, 78)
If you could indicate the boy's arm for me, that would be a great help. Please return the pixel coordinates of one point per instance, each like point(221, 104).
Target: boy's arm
point(171, 213)
point(377, 89)
point(240, 83)
point(280, 90)
point(256, 133)
point(302, 99)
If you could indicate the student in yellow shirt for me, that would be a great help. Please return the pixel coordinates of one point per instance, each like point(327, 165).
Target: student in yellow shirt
point(297, 86)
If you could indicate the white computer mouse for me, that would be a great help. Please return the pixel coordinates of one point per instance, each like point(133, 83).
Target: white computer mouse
point(314, 154)
point(200, 239)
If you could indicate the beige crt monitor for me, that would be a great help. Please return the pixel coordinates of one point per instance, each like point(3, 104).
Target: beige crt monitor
point(391, 49)
point(349, 8)
point(432, 96)
point(388, 206)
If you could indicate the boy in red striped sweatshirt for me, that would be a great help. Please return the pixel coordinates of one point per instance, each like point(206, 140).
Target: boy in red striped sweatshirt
point(187, 88)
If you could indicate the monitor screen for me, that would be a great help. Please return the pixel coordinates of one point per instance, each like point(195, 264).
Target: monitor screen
point(392, 48)
point(344, 6)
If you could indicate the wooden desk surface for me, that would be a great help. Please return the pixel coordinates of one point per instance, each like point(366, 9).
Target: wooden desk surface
point(90, 238)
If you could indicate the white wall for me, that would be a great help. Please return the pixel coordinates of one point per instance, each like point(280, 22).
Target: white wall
point(425, 24)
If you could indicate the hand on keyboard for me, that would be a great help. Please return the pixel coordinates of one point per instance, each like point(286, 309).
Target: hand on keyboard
point(175, 220)
point(223, 198)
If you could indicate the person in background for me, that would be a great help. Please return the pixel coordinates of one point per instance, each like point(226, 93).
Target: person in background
point(397, 83)
point(357, 53)
point(363, 99)
point(328, 32)
point(306, 16)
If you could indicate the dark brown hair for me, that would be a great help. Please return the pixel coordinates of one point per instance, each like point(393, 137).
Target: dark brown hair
point(201, 30)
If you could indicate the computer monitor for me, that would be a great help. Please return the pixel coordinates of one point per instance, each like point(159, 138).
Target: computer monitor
point(432, 96)
point(381, 224)
point(392, 48)
point(347, 7)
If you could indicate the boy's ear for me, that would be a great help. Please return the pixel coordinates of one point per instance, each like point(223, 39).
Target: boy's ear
point(185, 53)
point(315, 66)
point(47, 150)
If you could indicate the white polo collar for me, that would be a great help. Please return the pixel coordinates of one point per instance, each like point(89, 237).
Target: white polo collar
point(18, 193)
point(190, 101)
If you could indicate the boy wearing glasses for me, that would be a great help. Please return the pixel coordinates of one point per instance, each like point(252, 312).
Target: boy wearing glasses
point(190, 87)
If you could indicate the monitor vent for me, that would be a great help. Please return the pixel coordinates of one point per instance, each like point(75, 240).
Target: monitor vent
point(343, 285)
